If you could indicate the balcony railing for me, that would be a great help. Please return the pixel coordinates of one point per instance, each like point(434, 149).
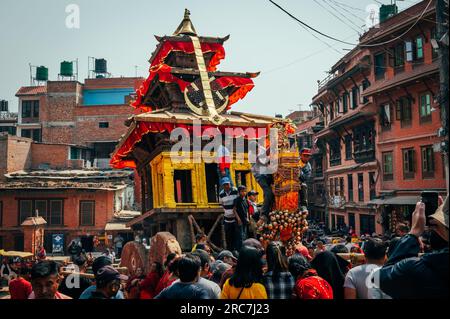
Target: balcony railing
point(364, 155)
point(8, 116)
point(336, 201)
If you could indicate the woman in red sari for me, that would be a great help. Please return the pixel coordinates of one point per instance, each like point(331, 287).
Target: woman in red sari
point(149, 284)
point(170, 275)
point(308, 284)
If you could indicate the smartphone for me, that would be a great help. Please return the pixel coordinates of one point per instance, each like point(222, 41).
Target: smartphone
point(430, 199)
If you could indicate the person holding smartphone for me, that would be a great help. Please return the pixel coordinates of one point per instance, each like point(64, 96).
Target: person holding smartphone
point(406, 275)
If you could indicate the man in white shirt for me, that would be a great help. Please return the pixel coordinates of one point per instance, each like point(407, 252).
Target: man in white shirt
point(357, 284)
point(226, 199)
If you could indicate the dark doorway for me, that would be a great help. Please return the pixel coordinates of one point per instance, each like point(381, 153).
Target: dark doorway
point(351, 220)
point(87, 242)
point(212, 182)
point(367, 224)
point(182, 181)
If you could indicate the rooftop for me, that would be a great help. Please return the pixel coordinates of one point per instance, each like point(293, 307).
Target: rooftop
point(68, 179)
point(32, 90)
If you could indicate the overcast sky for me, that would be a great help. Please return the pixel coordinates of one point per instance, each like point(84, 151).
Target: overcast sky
point(263, 38)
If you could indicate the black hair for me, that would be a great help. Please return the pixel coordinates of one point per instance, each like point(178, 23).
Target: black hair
point(159, 268)
point(169, 258)
point(173, 265)
point(44, 269)
point(339, 249)
point(298, 265)
point(199, 236)
point(276, 258)
point(375, 249)
point(188, 267)
point(403, 228)
point(80, 260)
point(100, 262)
point(248, 268)
point(200, 246)
point(203, 255)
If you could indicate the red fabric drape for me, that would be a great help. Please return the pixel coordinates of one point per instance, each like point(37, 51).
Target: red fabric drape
point(143, 128)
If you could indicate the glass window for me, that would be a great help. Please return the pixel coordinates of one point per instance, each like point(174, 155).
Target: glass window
point(345, 97)
point(350, 187)
point(408, 163)
point(348, 147)
point(409, 51)
point(388, 169)
point(41, 207)
point(380, 65)
point(354, 95)
point(427, 161)
point(425, 107)
point(419, 48)
point(361, 187)
point(403, 111)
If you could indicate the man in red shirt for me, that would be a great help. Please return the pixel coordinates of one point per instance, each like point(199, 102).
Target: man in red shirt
point(20, 288)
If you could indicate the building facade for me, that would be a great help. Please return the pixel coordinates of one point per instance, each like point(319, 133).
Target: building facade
point(405, 85)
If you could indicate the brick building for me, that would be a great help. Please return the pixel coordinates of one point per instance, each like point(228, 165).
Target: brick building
point(59, 163)
point(405, 84)
point(75, 203)
point(380, 124)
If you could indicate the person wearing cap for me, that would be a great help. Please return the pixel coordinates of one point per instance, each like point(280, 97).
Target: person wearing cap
point(226, 198)
point(108, 283)
point(98, 263)
point(241, 214)
point(304, 176)
point(406, 275)
point(227, 257)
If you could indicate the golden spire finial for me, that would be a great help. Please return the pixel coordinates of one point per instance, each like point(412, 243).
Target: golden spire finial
point(186, 27)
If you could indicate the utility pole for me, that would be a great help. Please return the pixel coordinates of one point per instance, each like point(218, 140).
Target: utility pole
point(442, 42)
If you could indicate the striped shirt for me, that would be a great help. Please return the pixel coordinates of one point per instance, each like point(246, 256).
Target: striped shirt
point(227, 202)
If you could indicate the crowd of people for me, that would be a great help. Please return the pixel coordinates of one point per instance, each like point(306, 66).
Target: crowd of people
point(407, 265)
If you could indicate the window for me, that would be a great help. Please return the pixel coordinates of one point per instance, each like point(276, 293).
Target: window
point(103, 124)
point(30, 108)
point(34, 134)
point(427, 161)
point(388, 166)
point(418, 48)
point(403, 111)
point(367, 224)
point(350, 187)
point(335, 152)
point(360, 187)
point(372, 185)
point(351, 220)
point(25, 210)
point(341, 187)
point(345, 97)
point(425, 108)
point(380, 66)
point(409, 51)
point(56, 213)
point(362, 87)
point(182, 186)
point(364, 143)
point(348, 147)
point(87, 213)
point(408, 163)
point(41, 208)
point(75, 153)
point(385, 117)
point(331, 111)
point(354, 98)
point(397, 57)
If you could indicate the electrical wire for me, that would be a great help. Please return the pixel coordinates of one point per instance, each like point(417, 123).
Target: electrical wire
point(353, 28)
point(348, 11)
point(354, 44)
point(343, 15)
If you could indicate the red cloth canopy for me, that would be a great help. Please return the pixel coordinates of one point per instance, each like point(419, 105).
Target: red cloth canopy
point(142, 128)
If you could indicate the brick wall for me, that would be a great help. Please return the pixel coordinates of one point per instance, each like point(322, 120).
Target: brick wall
point(15, 154)
point(54, 155)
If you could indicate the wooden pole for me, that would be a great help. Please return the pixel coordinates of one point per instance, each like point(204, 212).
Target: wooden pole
point(191, 226)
